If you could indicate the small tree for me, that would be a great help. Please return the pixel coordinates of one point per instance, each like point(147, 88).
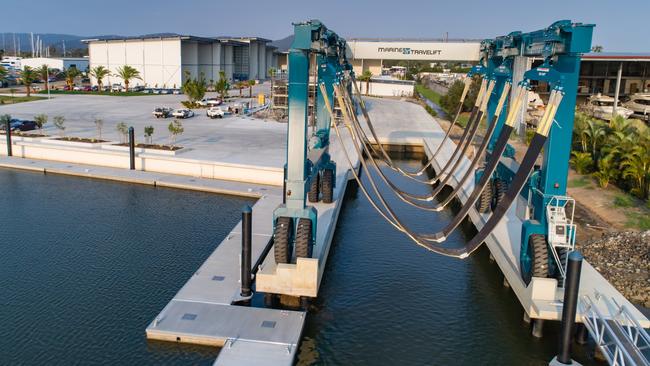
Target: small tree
point(40, 120)
point(123, 130)
point(99, 124)
point(581, 162)
point(175, 128)
point(148, 133)
point(28, 76)
point(4, 119)
point(222, 86)
point(59, 123)
point(251, 83)
point(240, 85)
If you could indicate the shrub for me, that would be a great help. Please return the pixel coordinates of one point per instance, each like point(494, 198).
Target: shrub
point(431, 111)
point(40, 120)
point(581, 162)
point(175, 128)
point(623, 201)
point(148, 133)
point(607, 171)
point(123, 130)
point(59, 123)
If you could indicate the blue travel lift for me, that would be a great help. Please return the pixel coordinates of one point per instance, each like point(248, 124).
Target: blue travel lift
point(309, 171)
point(548, 233)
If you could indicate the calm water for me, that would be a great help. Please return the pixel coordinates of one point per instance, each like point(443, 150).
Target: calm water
point(87, 264)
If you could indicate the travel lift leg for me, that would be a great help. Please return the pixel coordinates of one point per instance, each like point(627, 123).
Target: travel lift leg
point(309, 166)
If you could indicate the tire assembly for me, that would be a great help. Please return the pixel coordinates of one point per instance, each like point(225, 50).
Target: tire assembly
point(304, 242)
point(484, 202)
point(282, 244)
point(499, 189)
point(327, 185)
point(314, 189)
point(534, 261)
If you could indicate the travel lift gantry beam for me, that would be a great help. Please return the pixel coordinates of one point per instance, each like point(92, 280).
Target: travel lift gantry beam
point(309, 167)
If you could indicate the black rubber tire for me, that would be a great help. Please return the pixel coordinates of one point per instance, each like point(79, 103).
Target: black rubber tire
point(484, 202)
point(304, 243)
point(314, 189)
point(539, 258)
point(282, 248)
point(328, 185)
point(499, 189)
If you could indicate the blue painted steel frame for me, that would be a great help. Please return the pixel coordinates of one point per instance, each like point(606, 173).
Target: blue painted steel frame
point(561, 46)
point(310, 38)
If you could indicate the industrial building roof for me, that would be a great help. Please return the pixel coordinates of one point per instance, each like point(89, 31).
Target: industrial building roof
point(616, 56)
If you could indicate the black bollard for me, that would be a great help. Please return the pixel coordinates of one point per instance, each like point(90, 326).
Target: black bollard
point(131, 148)
point(8, 132)
point(571, 287)
point(246, 243)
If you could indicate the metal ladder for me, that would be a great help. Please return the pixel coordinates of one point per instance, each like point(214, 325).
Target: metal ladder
point(620, 337)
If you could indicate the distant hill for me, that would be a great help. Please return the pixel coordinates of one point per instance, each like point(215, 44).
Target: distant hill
point(283, 44)
point(23, 41)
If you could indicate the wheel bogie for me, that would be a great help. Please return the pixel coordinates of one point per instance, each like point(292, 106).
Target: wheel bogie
point(533, 261)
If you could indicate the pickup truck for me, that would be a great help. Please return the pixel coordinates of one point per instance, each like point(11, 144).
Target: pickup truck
point(162, 112)
point(183, 113)
point(215, 112)
point(209, 102)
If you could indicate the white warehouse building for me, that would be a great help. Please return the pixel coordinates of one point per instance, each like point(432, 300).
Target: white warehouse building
point(164, 61)
point(59, 63)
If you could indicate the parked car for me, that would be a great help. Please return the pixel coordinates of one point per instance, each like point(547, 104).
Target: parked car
point(162, 112)
point(156, 91)
point(176, 91)
point(165, 91)
point(27, 126)
point(78, 88)
point(215, 112)
point(209, 102)
point(116, 88)
point(639, 103)
point(137, 88)
point(147, 91)
point(183, 113)
point(602, 106)
point(88, 88)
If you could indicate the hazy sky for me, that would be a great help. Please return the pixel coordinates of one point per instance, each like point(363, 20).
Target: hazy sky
point(620, 25)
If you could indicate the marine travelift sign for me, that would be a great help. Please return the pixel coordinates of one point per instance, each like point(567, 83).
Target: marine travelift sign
point(409, 51)
point(425, 51)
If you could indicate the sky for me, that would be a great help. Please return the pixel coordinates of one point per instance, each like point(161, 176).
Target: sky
point(621, 26)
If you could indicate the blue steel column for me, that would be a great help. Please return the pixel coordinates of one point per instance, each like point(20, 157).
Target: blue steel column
point(323, 119)
point(501, 76)
point(297, 128)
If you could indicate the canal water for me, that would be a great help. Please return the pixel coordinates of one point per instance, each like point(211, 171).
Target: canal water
point(87, 264)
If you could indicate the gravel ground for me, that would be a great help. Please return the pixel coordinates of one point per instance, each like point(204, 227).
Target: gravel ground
point(624, 259)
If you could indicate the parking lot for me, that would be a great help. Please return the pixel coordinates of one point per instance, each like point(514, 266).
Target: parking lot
point(233, 139)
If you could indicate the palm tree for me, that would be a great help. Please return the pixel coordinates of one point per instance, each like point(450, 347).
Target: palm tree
point(636, 166)
point(222, 85)
point(366, 76)
point(581, 162)
point(28, 76)
point(271, 73)
point(607, 171)
point(71, 73)
point(596, 133)
point(579, 127)
point(127, 73)
point(44, 73)
point(250, 88)
point(99, 73)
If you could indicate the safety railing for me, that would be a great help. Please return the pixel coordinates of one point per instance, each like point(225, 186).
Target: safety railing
point(619, 336)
